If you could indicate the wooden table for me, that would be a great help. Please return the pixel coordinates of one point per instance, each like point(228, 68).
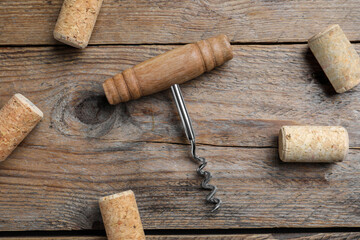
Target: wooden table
point(85, 148)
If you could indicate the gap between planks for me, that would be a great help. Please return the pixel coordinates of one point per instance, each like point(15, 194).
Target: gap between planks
point(159, 44)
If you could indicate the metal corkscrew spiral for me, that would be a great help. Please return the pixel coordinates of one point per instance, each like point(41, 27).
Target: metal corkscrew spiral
point(189, 131)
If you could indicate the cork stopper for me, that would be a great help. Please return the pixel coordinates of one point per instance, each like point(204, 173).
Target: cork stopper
point(17, 118)
point(337, 57)
point(121, 216)
point(76, 22)
point(324, 32)
point(313, 143)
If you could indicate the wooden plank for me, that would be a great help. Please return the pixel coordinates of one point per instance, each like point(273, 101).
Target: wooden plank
point(135, 22)
point(242, 103)
point(278, 236)
point(85, 149)
point(56, 238)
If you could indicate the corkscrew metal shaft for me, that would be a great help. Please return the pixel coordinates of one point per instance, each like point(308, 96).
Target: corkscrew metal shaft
point(189, 131)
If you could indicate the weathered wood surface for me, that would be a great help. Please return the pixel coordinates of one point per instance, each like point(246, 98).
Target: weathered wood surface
point(85, 148)
point(275, 236)
point(135, 22)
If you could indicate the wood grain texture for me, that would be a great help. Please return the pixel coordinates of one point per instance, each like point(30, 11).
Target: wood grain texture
point(275, 236)
point(135, 22)
point(85, 149)
point(292, 236)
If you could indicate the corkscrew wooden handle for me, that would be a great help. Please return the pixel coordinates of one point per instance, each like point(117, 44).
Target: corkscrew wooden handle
point(174, 67)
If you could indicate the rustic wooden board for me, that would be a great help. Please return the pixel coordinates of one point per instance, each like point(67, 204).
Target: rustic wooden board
point(135, 22)
point(278, 236)
point(85, 149)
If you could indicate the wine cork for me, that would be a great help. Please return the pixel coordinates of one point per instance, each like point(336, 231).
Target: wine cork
point(337, 57)
point(17, 118)
point(121, 216)
point(313, 143)
point(76, 22)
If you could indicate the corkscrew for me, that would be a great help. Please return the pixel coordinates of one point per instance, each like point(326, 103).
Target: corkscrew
point(189, 131)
